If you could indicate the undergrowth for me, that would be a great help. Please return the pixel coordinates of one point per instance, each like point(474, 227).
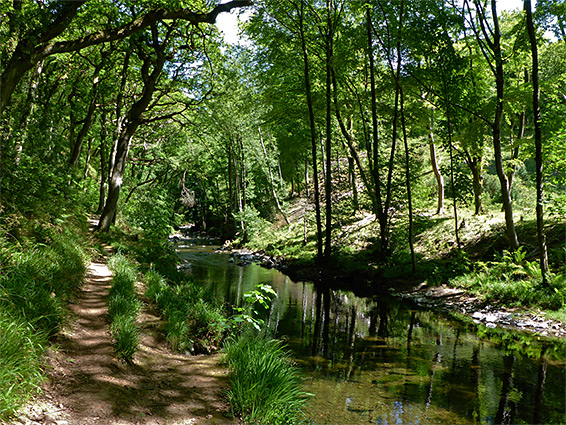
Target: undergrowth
point(513, 281)
point(123, 307)
point(265, 384)
point(192, 324)
point(40, 270)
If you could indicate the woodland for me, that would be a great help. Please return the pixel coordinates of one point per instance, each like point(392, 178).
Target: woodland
point(414, 140)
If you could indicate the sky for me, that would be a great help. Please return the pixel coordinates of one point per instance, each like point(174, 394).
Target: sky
point(228, 22)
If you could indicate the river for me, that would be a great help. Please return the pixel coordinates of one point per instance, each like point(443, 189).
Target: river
point(380, 361)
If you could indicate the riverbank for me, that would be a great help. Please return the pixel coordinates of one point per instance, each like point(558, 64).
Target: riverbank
point(376, 358)
point(482, 283)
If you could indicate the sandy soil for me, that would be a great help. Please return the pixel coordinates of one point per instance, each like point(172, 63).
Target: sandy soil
point(88, 386)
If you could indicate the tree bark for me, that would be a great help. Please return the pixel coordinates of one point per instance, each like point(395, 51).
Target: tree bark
point(352, 148)
point(408, 182)
point(103, 164)
point(520, 135)
point(87, 122)
point(313, 133)
point(381, 213)
point(475, 165)
point(328, 179)
point(496, 127)
point(133, 121)
point(271, 181)
point(541, 238)
point(435, 169)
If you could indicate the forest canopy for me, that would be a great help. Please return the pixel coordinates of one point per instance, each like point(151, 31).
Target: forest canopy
point(138, 111)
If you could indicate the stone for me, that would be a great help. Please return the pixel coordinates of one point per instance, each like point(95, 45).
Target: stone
point(477, 315)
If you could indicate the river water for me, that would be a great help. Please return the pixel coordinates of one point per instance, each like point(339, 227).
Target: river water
point(379, 361)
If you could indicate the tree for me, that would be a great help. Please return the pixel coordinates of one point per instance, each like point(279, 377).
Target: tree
point(36, 42)
point(491, 49)
point(543, 257)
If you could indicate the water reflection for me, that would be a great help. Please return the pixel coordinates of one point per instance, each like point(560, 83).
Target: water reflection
point(375, 360)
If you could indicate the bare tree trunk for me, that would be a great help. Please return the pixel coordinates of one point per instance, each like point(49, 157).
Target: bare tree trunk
point(313, 133)
point(87, 122)
point(353, 184)
point(307, 178)
point(103, 163)
point(475, 165)
point(352, 148)
point(499, 81)
point(541, 238)
point(434, 164)
point(408, 182)
point(328, 180)
point(450, 149)
point(381, 213)
point(520, 135)
point(28, 109)
point(271, 182)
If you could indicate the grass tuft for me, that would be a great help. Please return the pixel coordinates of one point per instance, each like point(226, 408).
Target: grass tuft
point(266, 387)
point(21, 374)
point(123, 307)
point(192, 324)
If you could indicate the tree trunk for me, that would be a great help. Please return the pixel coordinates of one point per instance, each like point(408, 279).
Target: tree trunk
point(434, 164)
point(307, 178)
point(408, 182)
point(133, 121)
point(520, 135)
point(328, 180)
point(541, 238)
point(475, 165)
point(496, 127)
point(381, 213)
point(28, 109)
point(103, 163)
point(353, 184)
point(451, 152)
point(271, 182)
point(352, 148)
point(87, 122)
point(313, 133)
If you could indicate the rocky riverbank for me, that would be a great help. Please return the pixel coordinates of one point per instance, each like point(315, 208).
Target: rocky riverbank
point(453, 301)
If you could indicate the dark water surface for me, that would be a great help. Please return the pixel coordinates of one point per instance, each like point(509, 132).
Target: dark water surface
point(380, 361)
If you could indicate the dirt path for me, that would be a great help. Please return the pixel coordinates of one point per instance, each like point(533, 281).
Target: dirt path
point(88, 386)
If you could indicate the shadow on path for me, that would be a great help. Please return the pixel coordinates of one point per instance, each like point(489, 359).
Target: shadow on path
point(91, 386)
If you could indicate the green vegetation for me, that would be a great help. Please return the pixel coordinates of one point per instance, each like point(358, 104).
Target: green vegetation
point(513, 281)
point(21, 363)
point(192, 324)
point(355, 138)
point(40, 272)
point(266, 387)
point(123, 307)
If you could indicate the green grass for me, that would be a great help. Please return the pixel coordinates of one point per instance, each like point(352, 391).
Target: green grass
point(265, 385)
point(192, 324)
point(123, 308)
point(39, 273)
point(21, 372)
